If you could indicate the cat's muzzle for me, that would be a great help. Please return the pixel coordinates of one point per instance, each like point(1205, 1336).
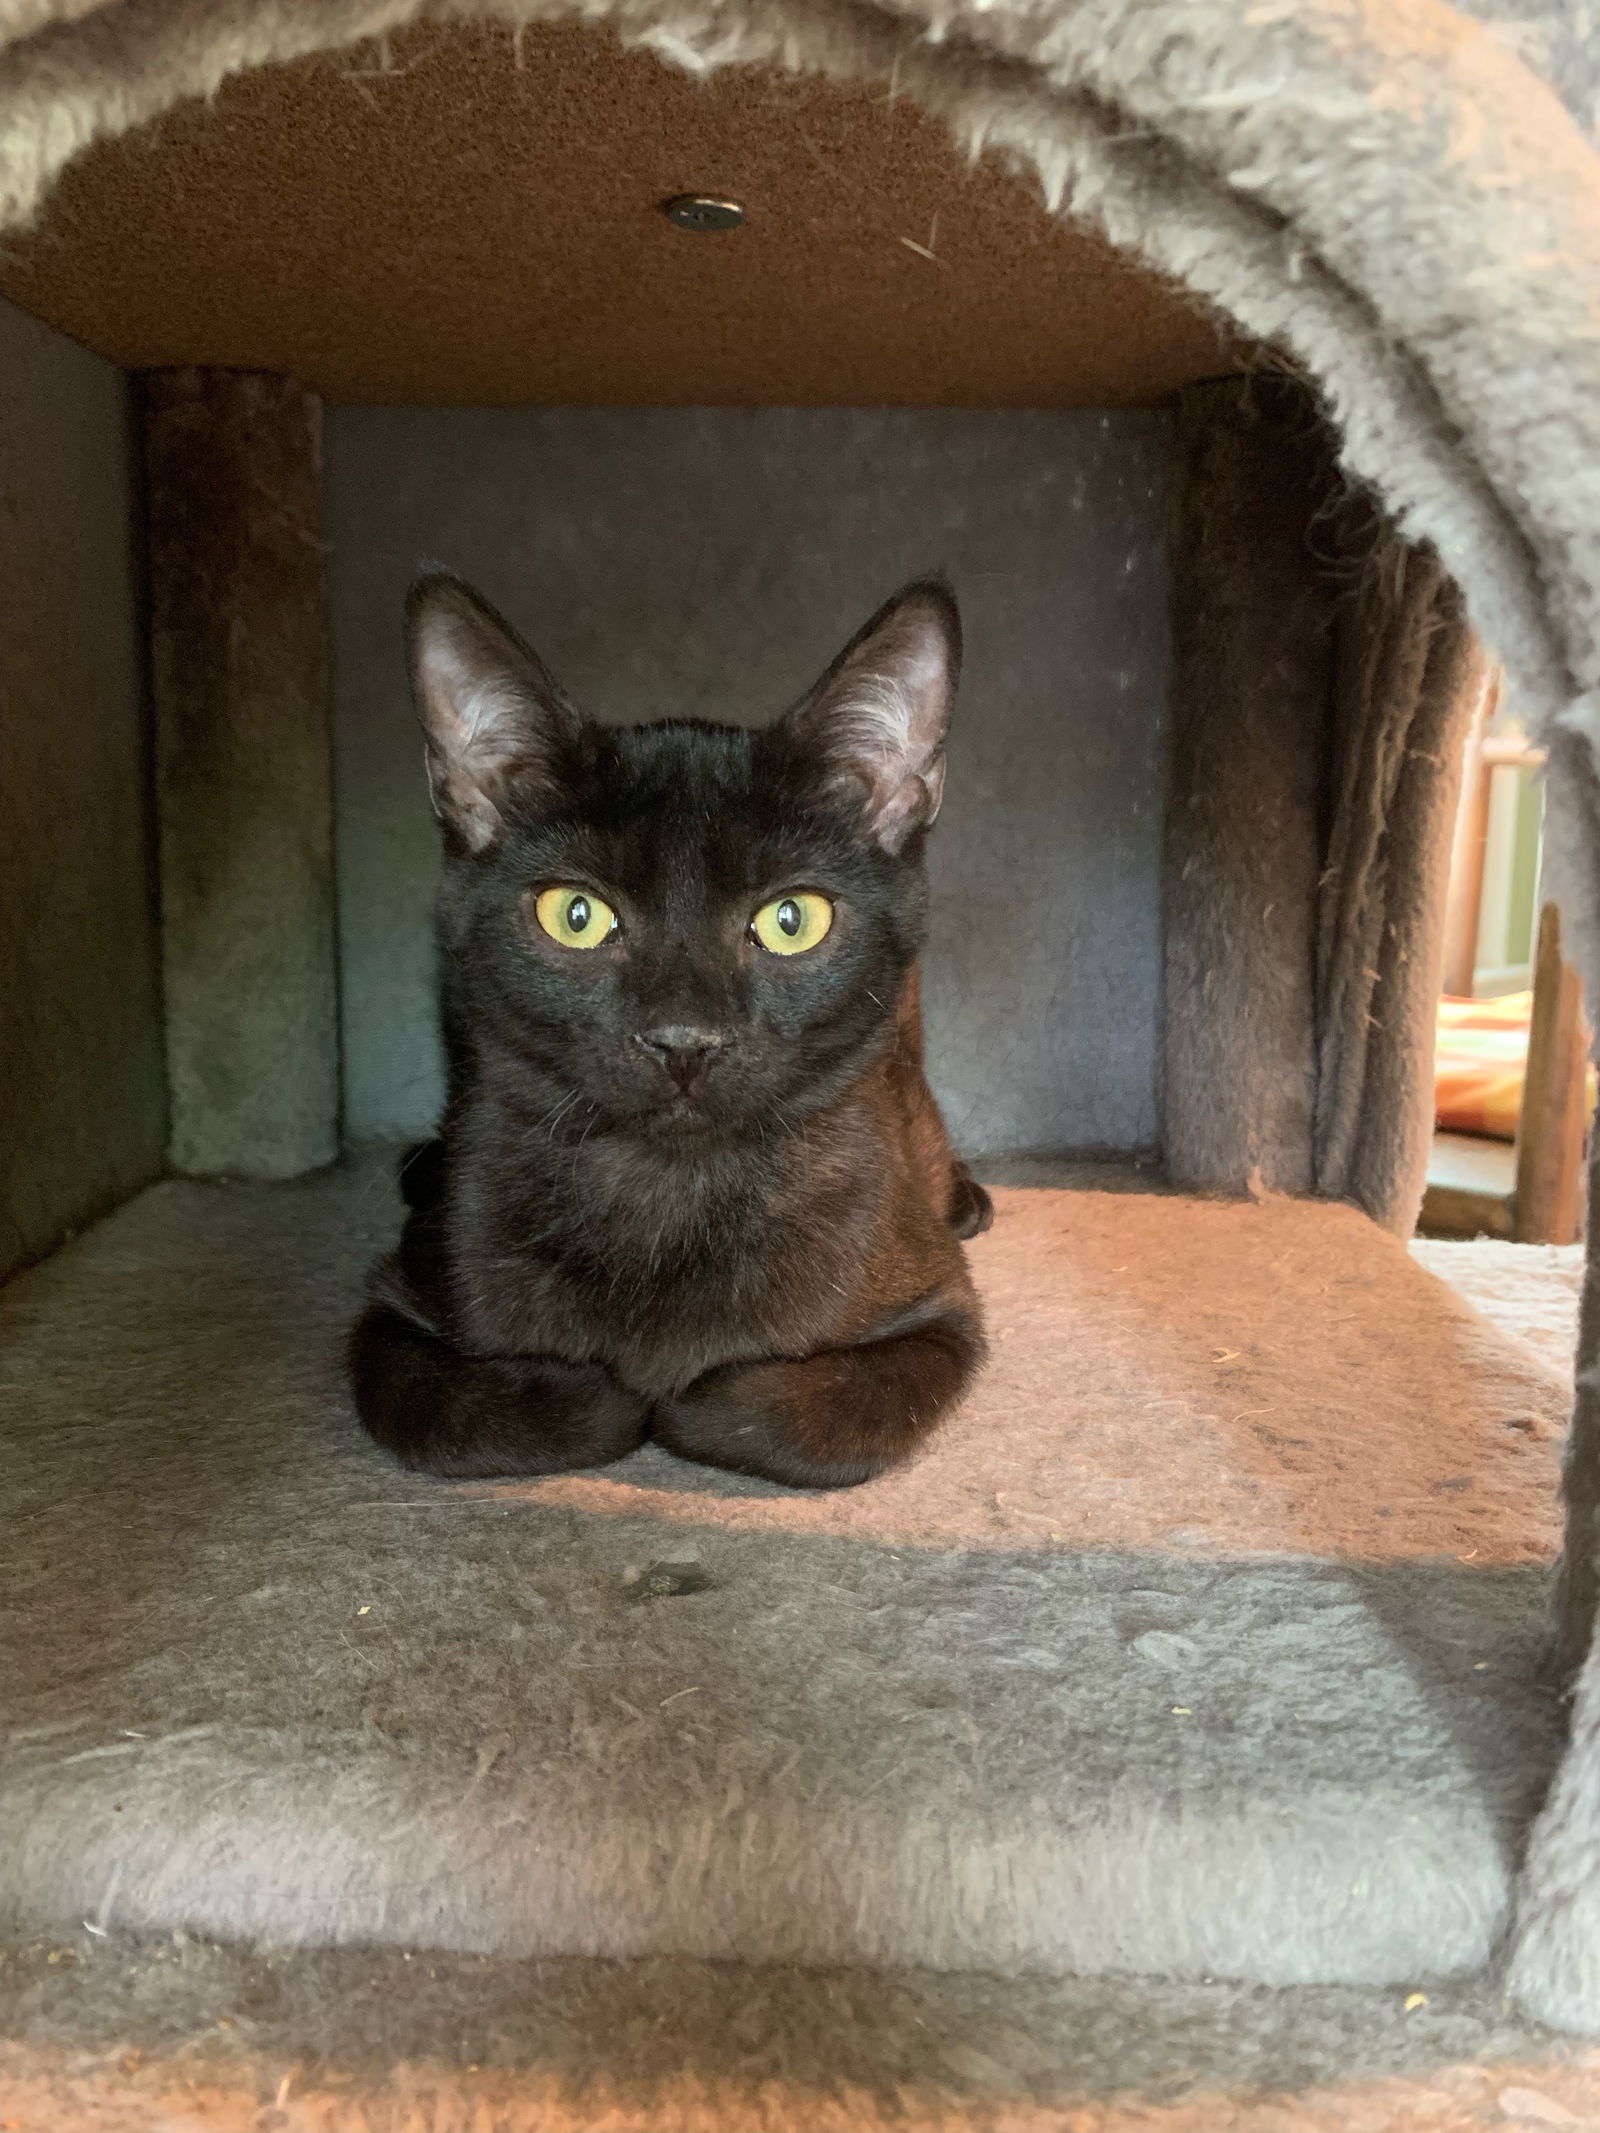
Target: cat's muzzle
point(684, 1053)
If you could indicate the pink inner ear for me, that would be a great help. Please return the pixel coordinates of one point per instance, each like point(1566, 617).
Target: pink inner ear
point(476, 740)
point(485, 750)
point(881, 721)
point(489, 711)
point(912, 805)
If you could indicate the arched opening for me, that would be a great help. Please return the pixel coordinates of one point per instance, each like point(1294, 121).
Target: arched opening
point(687, 463)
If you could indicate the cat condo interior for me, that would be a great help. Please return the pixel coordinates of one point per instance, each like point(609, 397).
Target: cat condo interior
point(1204, 1644)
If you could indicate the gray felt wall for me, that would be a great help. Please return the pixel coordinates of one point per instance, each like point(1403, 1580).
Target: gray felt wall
point(710, 562)
point(82, 1081)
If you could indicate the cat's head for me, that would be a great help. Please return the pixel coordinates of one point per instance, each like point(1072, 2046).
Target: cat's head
point(681, 926)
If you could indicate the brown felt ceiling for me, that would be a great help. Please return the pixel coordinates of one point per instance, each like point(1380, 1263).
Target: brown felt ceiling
point(476, 224)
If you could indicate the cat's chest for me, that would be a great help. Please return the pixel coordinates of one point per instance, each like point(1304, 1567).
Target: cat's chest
point(664, 1268)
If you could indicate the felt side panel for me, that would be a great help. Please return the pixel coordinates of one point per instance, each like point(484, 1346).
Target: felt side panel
point(1572, 864)
point(82, 1088)
point(239, 676)
point(1252, 653)
point(1554, 1964)
point(1578, 1586)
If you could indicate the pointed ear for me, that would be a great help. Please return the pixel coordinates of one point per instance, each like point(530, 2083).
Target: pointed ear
point(875, 723)
point(497, 725)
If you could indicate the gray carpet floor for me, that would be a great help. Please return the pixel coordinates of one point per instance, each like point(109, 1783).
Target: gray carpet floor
point(264, 1687)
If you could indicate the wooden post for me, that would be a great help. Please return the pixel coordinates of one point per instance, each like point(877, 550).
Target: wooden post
point(1548, 1207)
point(238, 665)
point(1464, 897)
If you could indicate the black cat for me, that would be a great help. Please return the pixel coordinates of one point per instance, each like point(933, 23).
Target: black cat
point(691, 1183)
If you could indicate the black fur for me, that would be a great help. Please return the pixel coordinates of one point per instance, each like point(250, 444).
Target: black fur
point(743, 1241)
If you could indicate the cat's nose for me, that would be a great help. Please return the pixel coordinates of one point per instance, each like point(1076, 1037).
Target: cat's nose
point(683, 1049)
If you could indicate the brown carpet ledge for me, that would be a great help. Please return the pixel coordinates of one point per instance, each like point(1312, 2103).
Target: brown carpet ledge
point(1202, 1645)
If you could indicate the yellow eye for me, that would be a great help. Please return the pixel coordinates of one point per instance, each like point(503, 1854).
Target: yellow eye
point(574, 917)
point(791, 924)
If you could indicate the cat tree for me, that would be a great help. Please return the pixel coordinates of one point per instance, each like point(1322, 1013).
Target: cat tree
point(1393, 201)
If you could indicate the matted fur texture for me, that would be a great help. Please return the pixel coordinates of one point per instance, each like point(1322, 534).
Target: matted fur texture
point(1379, 184)
point(1203, 1643)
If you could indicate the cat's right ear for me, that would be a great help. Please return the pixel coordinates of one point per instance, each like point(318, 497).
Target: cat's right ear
point(873, 727)
point(497, 725)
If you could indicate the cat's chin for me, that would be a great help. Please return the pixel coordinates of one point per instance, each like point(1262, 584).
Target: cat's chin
point(682, 1118)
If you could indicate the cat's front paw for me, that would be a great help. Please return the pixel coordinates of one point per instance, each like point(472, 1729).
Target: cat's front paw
point(476, 1417)
point(755, 1419)
point(827, 1421)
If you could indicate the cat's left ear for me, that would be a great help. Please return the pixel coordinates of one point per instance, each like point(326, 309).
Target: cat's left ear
point(875, 723)
point(497, 726)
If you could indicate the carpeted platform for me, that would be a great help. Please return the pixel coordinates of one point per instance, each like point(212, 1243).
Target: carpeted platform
point(1531, 1291)
point(1204, 1643)
point(174, 2034)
